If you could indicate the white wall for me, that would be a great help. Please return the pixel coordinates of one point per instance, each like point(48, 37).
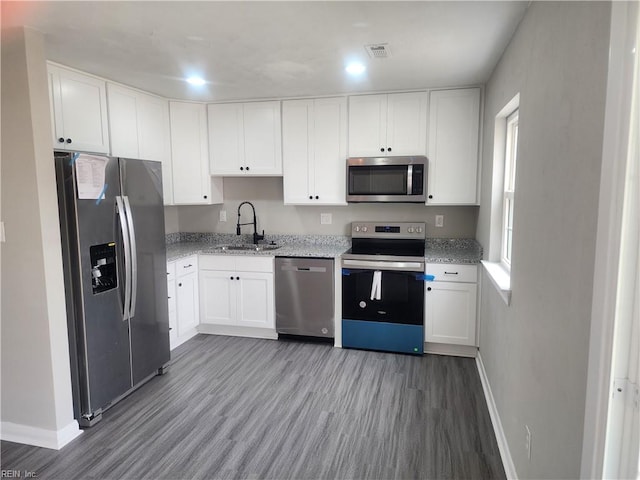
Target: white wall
point(535, 351)
point(36, 385)
point(275, 217)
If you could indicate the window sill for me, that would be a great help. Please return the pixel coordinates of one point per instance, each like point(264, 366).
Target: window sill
point(501, 279)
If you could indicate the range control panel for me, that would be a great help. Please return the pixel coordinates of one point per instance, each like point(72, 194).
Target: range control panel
point(415, 230)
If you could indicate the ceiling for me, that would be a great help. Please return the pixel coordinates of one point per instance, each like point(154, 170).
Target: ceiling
point(265, 49)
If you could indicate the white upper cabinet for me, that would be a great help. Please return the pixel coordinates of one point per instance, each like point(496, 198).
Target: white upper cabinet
point(192, 183)
point(454, 121)
point(245, 139)
point(139, 128)
point(78, 111)
point(388, 125)
point(314, 149)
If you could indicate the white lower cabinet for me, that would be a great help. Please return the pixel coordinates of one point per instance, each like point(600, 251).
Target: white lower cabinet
point(450, 304)
point(182, 283)
point(173, 308)
point(237, 291)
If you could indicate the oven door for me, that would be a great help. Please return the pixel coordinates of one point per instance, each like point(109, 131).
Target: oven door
point(398, 299)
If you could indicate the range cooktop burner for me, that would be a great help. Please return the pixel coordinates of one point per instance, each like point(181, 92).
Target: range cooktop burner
point(387, 241)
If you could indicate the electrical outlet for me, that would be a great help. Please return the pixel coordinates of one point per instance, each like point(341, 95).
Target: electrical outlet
point(326, 219)
point(2, 237)
point(223, 215)
point(527, 441)
point(439, 220)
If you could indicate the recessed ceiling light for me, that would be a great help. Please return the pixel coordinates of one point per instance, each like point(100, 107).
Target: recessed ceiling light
point(197, 81)
point(355, 68)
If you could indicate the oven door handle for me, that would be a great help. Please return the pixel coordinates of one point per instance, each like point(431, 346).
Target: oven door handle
point(378, 265)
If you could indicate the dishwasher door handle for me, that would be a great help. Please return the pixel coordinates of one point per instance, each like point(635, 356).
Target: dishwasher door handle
point(289, 268)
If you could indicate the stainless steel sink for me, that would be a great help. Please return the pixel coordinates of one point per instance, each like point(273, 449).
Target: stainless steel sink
point(247, 247)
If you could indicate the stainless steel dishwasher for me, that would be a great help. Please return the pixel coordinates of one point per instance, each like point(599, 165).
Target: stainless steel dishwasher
point(304, 296)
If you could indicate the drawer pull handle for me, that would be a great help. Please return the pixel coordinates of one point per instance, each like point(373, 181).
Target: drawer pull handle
point(187, 266)
point(451, 273)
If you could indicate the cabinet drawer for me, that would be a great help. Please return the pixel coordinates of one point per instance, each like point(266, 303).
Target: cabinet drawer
point(449, 272)
point(254, 264)
point(171, 271)
point(218, 262)
point(186, 265)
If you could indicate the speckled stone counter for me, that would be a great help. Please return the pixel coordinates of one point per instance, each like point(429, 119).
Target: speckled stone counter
point(463, 251)
point(452, 250)
point(321, 246)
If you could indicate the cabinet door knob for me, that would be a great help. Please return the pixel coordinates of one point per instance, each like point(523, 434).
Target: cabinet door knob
point(241, 168)
point(68, 140)
point(430, 196)
point(237, 278)
point(230, 278)
point(389, 149)
point(247, 169)
point(428, 289)
point(61, 140)
point(317, 197)
point(205, 196)
point(179, 284)
point(382, 149)
point(310, 197)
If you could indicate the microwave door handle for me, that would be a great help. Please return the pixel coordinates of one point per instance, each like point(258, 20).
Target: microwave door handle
point(409, 179)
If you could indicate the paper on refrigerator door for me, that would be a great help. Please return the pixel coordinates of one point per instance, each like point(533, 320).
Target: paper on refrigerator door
point(90, 176)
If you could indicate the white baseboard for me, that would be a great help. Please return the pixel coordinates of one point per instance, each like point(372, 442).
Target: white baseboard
point(39, 437)
point(451, 350)
point(503, 446)
point(188, 335)
point(233, 331)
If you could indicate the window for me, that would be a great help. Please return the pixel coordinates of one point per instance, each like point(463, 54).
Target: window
point(505, 152)
point(511, 154)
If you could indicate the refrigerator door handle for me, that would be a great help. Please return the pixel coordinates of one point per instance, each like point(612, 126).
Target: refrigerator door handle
point(134, 257)
point(124, 227)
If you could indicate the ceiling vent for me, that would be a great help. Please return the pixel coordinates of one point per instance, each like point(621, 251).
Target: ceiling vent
point(378, 50)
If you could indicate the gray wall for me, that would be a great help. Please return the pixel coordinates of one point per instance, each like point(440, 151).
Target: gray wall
point(275, 217)
point(36, 384)
point(535, 352)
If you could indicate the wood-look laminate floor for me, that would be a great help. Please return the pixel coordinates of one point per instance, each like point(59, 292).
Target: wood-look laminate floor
point(264, 409)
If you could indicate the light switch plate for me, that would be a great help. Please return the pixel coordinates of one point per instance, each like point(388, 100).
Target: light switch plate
point(223, 215)
point(2, 237)
point(326, 219)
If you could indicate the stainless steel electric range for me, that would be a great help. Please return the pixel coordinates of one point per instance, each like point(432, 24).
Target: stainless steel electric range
point(383, 287)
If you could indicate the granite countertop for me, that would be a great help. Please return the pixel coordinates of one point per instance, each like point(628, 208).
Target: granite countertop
point(453, 250)
point(462, 251)
point(321, 246)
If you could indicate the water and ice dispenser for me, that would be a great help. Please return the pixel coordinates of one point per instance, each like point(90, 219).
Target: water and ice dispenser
point(103, 267)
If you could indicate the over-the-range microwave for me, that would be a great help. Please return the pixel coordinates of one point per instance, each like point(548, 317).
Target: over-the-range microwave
point(387, 179)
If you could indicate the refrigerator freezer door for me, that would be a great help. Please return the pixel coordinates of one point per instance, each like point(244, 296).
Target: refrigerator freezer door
point(101, 348)
point(142, 190)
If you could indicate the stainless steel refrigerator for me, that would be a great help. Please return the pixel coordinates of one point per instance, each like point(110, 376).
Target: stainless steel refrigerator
point(112, 229)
